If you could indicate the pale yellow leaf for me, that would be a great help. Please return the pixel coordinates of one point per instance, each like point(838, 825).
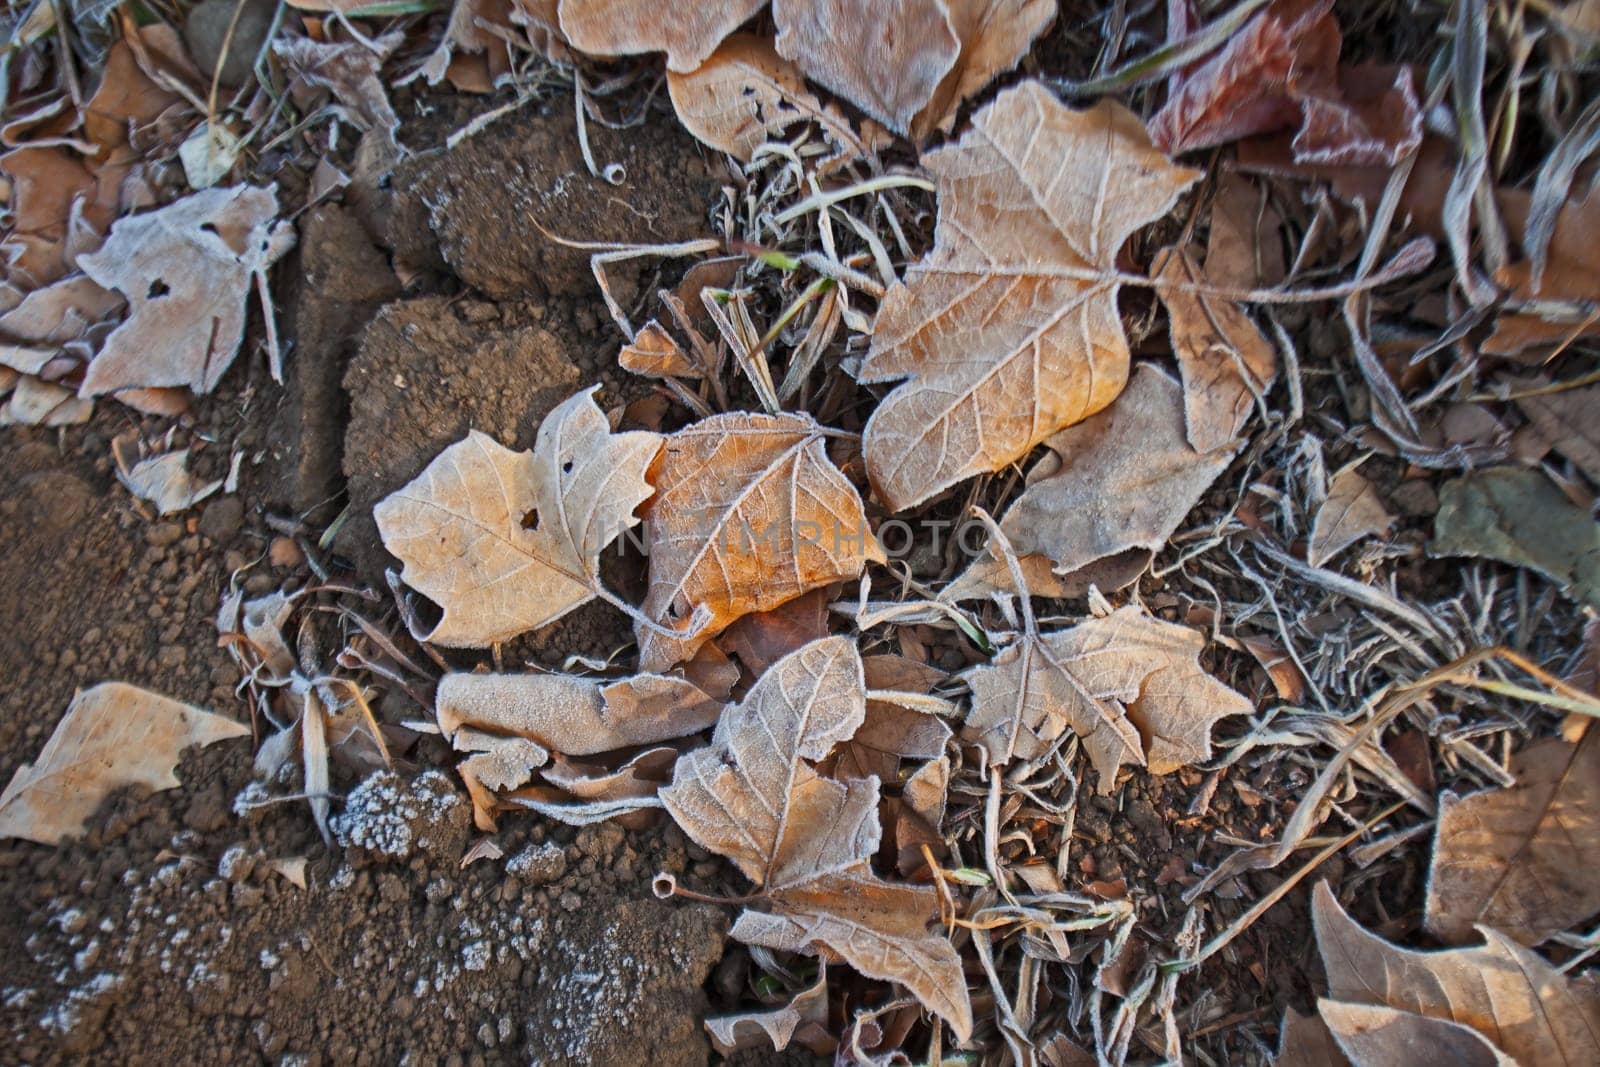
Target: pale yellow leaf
point(1129, 685)
point(506, 542)
point(1124, 479)
point(1521, 860)
point(686, 32)
point(1008, 330)
point(1352, 511)
point(745, 95)
point(1524, 1007)
point(749, 513)
point(111, 736)
point(186, 270)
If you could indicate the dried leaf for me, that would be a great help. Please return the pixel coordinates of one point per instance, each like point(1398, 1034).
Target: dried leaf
point(292, 869)
point(1008, 330)
point(111, 736)
point(749, 513)
point(34, 402)
point(756, 797)
point(994, 36)
point(687, 33)
point(573, 715)
point(186, 270)
point(1279, 71)
point(1521, 859)
point(48, 318)
point(1565, 420)
point(1520, 517)
point(1351, 512)
point(777, 1026)
point(163, 480)
point(470, 53)
point(1562, 307)
point(887, 57)
point(654, 354)
point(987, 576)
point(1121, 480)
point(1305, 1041)
point(1375, 1035)
point(639, 776)
point(745, 95)
point(763, 638)
point(350, 70)
point(1520, 1004)
point(1225, 362)
point(1128, 684)
point(506, 542)
point(891, 732)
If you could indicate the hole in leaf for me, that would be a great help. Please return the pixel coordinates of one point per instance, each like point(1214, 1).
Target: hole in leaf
point(530, 519)
point(158, 289)
point(566, 468)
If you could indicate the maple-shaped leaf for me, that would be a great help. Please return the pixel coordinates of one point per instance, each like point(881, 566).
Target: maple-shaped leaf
point(186, 270)
point(1122, 479)
point(1008, 331)
point(1129, 685)
point(687, 33)
point(504, 541)
point(749, 512)
point(755, 796)
point(1523, 1009)
point(1521, 859)
point(745, 95)
point(112, 735)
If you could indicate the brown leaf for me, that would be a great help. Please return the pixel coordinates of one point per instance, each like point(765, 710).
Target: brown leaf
point(654, 354)
point(776, 1027)
point(350, 71)
point(1279, 71)
point(186, 270)
point(763, 638)
point(749, 513)
point(1521, 859)
point(111, 736)
point(887, 57)
point(987, 576)
point(1521, 1005)
point(49, 318)
point(470, 54)
point(638, 776)
point(1129, 685)
point(1121, 480)
point(1287, 681)
point(756, 797)
point(1008, 330)
point(891, 732)
point(1225, 362)
point(745, 95)
point(162, 480)
point(1375, 1035)
point(34, 402)
point(687, 33)
point(1351, 512)
point(1564, 419)
point(572, 715)
point(506, 542)
point(1306, 1041)
point(1562, 306)
point(994, 36)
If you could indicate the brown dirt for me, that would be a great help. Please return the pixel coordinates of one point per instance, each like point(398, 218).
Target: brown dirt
point(165, 933)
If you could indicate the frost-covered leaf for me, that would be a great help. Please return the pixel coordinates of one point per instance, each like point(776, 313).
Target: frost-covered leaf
point(1376, 1036)
point(111, 736)
point(1521, 859)
point(755, 796)
point(1123, 479)
point(763, 638)
point(1521, 1005)
point(186, 270)
point(745, 95)
point(162, 480)
point(505, 542)
point(1305, 1041)
point(36, 402)
point(1520, 517)
point(806, 1013)
point(573, 715)
point(350, 70)
point(1128, 684)
point(687, 33)
point(749, 513)
point(994, 35)
point(1565, 420)
point(1351, 512)
point(1225, 362)
point(654, 354)
point(892, 732)
point(1008, 331)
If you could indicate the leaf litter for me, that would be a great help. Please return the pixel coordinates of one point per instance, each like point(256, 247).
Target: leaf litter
point(948, 741)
